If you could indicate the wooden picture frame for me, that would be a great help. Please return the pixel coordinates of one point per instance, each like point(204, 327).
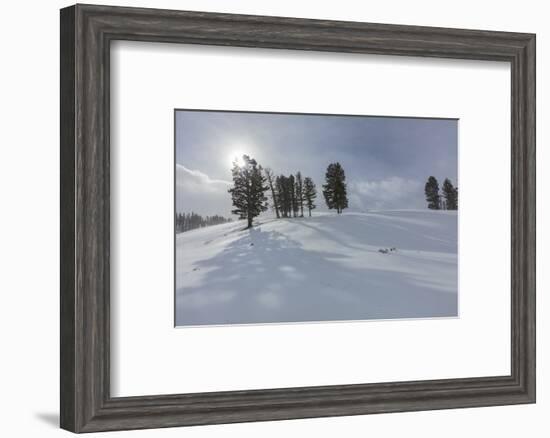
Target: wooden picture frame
point(86, 33)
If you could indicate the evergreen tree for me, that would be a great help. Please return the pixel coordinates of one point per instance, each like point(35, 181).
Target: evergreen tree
point(269, 177)
point(299, 190)
point(284, 195)
point(280, 190)
point(334, 190)
point(248, 191)
point(456, 197)
point(309, 194)
point(451, 195)
point(431, 191)
point(292, 192)
point(289, 195)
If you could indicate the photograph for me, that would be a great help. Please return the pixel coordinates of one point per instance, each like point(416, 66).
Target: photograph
point(287, 218)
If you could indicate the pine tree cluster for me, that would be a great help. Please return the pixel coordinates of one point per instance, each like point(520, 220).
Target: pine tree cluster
point(290, 194)
point(450, 195)
point(190, 221)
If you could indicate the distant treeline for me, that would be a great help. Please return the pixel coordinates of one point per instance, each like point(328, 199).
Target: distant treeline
point(450, 195)
point(190, 221)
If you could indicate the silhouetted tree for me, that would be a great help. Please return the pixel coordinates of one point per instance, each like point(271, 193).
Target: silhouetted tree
point(269, 177)
point(292, 191)
point(248, 191)
point(309, 193)
point(451, 195)
point(299, 190)
point(283, 196)
point(431, 191)
point(334, 190)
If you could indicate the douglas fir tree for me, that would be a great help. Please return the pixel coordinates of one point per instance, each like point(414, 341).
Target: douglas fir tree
point(283, 196)
point(432, 194)
point(292, 194)
point(451, 195)
point(248, 191)
point(334, 190)
point(309, 193)
point(299, 189)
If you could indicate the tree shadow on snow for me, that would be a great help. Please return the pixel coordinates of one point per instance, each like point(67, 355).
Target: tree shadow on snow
point(265, 277)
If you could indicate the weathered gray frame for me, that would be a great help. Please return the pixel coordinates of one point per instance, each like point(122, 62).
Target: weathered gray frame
point(86, 33)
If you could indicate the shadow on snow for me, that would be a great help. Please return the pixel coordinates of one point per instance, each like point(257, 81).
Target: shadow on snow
point(265, 276)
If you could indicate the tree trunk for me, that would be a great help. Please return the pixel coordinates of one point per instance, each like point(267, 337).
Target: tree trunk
point(249, 222)
point(310, 212)
point(269, 176)
point(273, 197)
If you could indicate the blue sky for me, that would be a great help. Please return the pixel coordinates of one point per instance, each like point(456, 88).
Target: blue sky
point(386, 159)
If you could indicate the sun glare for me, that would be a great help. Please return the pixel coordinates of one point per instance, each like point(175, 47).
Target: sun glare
point(236, 157)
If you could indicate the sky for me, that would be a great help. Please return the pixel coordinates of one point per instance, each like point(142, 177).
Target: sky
point(387, 160)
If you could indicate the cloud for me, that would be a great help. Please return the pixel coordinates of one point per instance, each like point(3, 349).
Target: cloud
point(390, 193)
point(196, 191)
point(196, 178)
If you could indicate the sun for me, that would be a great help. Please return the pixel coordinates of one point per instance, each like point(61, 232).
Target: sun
point(236, 157)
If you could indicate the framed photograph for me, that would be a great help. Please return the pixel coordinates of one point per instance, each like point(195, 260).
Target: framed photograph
point(269, 218)
point(257, 241)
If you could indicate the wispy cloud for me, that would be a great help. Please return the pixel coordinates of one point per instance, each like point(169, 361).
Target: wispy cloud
point(196, 191)
point(188, 176)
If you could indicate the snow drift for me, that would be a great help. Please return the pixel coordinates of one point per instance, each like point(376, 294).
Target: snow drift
point(325, 268)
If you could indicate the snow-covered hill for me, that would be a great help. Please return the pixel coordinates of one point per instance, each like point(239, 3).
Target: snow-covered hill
point(325, 268)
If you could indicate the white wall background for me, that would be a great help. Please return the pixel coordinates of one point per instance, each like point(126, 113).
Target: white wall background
point(29, 223)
